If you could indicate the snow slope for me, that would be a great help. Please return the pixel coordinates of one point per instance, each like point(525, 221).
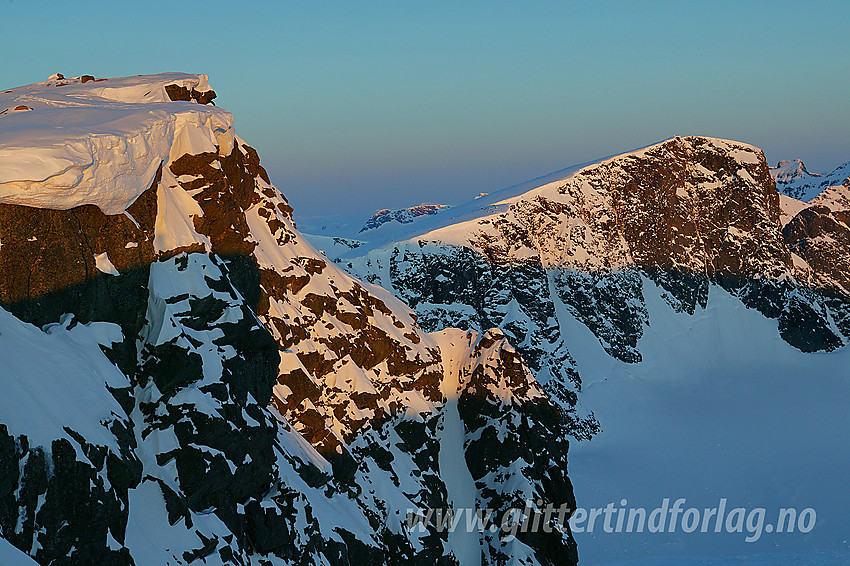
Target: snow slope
point(459, 483)
point(348, 226)
point(11, 556)
point(48, 374)
point(719, 408)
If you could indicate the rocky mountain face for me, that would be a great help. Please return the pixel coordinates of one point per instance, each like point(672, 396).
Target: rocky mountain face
point(683, 215)
point(485, 383)
point(820, 235)
point(187, 380)
point(402, 216)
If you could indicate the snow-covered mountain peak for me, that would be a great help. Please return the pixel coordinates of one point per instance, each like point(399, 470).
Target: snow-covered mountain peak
point(695, 203)
point(790, 170)
point(214, 389)
point(793, 179)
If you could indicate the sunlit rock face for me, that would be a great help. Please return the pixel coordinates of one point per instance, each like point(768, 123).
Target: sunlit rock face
point(682, 215)
point(187, 380)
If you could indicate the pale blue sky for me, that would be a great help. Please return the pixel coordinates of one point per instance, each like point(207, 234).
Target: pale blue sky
point(355, 106)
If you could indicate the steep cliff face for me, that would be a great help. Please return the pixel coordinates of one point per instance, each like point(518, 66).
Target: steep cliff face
point(682, 215)
point(190, 381)
point(505, 418)
point(692, 204)
point(819, 237)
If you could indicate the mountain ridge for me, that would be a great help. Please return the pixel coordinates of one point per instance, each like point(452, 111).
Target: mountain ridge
point(257, 403)
point(794, 180)
point(687, 213)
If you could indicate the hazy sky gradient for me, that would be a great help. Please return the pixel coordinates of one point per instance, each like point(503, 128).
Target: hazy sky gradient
point(355, 106)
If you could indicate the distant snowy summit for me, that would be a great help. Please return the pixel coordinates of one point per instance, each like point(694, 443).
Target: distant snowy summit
point(794, 180)
point(402, 216)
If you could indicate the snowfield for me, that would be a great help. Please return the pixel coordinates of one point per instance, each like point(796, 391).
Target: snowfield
point(720, 408)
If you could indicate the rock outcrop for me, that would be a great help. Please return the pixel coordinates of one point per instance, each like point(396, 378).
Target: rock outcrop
point(401, 216)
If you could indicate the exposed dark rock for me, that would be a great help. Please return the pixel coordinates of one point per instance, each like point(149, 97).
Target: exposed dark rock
point(402, 216)
point(179, 92)
point(821, 237)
